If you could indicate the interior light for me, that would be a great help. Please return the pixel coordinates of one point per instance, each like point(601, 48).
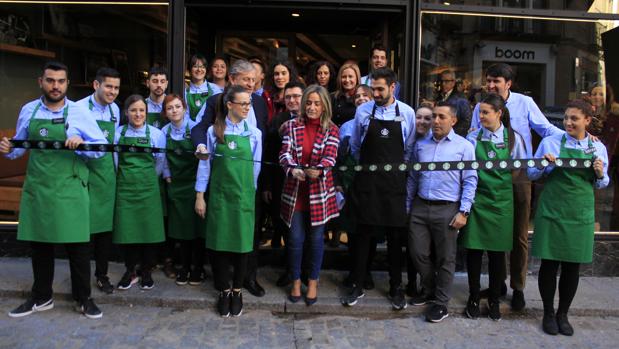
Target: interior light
point(353, 46)
point(294, 14)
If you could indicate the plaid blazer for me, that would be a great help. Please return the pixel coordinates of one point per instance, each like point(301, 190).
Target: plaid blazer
point(323, 205)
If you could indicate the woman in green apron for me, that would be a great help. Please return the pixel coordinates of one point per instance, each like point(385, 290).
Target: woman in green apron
point(564, 220)
point(489, 226)
point(138, 216)
point(231, 176)
point(184, 225)
point(198, 90)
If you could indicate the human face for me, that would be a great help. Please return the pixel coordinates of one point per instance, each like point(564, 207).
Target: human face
point(174, 111)
point(448, 82)
point(54, 85)
point(379, 59)
point(292, 98)
point(238, 109)
point(313, 106)
point(498, 86)
point(423, 120)
point(489, 118)
point(245, 79)
point(281, 76)
point(157, 84)
point(361, 96)
point(575, 122)
point(198, 71)
point(136, 113)
point(443, 122)
point(349, 79)
point(107, 90)
point(259, 76)
point(323, 75)
point(383, 93)
point(597, 97)
point(219, 69)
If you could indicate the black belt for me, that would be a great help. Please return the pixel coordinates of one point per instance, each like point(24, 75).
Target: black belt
point(435, 202)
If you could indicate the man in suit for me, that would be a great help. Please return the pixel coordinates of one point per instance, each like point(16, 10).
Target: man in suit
point(450, 94)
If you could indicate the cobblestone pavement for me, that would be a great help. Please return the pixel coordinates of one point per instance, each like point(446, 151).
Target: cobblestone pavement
point(152, 327)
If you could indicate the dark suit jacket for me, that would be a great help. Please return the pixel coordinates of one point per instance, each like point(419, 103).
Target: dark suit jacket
point(463, 112)
point(273, 178)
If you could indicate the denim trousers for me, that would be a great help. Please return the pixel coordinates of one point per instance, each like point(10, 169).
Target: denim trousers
point(302, 232)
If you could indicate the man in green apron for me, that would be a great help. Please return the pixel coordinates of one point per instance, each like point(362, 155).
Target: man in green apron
point(102, 179)
point(54, 207)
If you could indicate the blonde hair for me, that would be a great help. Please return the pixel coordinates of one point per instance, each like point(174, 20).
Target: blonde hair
point(352, 66)
point(325, 118)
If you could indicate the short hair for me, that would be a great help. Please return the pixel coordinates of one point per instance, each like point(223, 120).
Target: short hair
point(169, 98)
point(55, 66)
point(257, 60)
point(240, 66)
point(501, 70)
point(584, 106)
point(195, 58)
point(452, 108)
point(379, 47)
point(384, 73)
point(106, 72)
point(157, 71)
point(293, 84)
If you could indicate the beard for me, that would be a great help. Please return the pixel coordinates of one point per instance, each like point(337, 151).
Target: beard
point(48, 97)
point(381, 102)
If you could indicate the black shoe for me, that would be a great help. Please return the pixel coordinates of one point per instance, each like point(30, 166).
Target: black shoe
point(146, 280)
point(30, 306)
point(549, 323)
point(90, 309)
point(236, 303)
point(472, 308)
point(196, 277)
point(129, 279)
point(353, 296)
point(494, 310)
point(436, 313)
point(368, 283)
point(411, 289)
point(182, 278)
point(348, 281)
point(518, 302)
point(254, 288)
point(310, 301)
point(169, 270)
point(103, 283)
point(564, 326)
point(398, 298)
point(421, 299)
point(283, 280)
point(223, 304)
point(485, 293)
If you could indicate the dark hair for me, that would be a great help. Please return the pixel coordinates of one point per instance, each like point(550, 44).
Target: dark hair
point(195, 58)
point(452, 108)
point(106, 72)
point(55, 66)
point(268, 81)
point(293, 84)
point(168, 99)
point(218, 57)
point(384, 73)
point(584, 106)
point(257, 60)
point(379, 47)
point(157, 71)
point(311, 78)
point(501, 70)
point(498, 104)
point(132, 99)
point(219, 126)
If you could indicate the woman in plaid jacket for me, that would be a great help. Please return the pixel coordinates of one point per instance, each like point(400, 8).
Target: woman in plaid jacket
point(309, 150)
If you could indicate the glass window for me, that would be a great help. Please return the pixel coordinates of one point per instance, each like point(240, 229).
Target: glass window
point(592, 6)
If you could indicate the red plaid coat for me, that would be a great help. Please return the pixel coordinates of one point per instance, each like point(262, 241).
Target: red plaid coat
point(323, 205)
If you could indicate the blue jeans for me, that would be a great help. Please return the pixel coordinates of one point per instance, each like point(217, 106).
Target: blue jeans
point(299, 228)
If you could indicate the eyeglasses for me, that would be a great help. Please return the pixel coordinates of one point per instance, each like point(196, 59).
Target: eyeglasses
point(199, 67)
point(292, 96)
point(242, 104)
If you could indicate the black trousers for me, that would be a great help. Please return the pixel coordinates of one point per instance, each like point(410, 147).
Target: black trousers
point(222, 262)
point(143, 254)
point(496, 266)
point(363, 242)
point(192, 253)
point(252, 261)
point(353, 249)
point(568, 283)
point(43, 270)
point(102, 247)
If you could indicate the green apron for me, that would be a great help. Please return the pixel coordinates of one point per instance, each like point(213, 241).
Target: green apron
point(138, 217)
point(195, 101)
point(156, 120)
point(102, 181)
point(491, 223)
point(230, 220)
point(183, 222)
point(54, 201)
point(565, 217)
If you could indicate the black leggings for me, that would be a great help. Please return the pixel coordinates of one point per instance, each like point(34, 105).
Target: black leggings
point(496, 265)
point(144, 254)
point(221, 263)
point(192, 253)
point(568, 283)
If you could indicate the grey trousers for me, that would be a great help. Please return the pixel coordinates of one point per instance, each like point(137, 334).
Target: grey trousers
point(429, 225)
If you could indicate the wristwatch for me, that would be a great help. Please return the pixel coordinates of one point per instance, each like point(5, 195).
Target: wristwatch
point(465, 213)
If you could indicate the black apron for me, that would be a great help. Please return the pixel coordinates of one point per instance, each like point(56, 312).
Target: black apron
point(379, 197)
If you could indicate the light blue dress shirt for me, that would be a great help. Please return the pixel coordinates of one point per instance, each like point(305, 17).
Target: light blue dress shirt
point(518, 150)
point(157, 140)
point(453, 185)
point(524, 115)
point(78, 123)
point(362, 122)
point(152, 107)
point(552, 145)
point(177, 134)
point(99, 111)
point(255, 141)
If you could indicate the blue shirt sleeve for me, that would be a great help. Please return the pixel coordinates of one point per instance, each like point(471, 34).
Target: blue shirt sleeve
point(21, 130)
point(257, 153)
point(538, 121)
point(469, 180)
point(204, 167)
point(79, 123)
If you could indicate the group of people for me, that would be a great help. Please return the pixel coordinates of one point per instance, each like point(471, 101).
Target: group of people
point(209, 197)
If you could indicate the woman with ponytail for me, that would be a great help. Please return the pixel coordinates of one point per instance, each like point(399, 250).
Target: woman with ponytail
point(231, 176)
point(490, 225)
